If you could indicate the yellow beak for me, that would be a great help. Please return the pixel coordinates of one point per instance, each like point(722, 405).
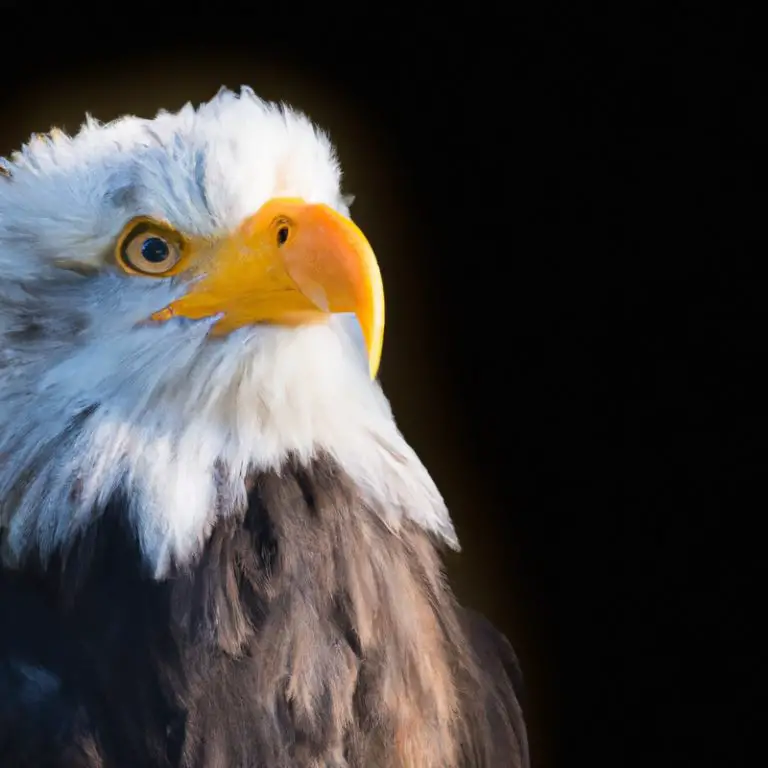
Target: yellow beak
point(290, 263)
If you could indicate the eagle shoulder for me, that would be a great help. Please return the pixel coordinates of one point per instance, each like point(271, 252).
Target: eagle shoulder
point(42, 725)
point(503, 687)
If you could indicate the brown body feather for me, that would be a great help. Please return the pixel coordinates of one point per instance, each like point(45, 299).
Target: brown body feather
point(307, 634)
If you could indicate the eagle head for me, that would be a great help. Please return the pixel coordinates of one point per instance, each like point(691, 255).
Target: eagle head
point(184, 300)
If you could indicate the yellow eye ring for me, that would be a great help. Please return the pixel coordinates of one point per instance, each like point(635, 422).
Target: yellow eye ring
point(148, 247)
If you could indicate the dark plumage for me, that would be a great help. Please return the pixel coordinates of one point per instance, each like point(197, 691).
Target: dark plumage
point(306, 634)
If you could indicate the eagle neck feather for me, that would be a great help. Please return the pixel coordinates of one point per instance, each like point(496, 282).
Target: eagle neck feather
point(307, 633)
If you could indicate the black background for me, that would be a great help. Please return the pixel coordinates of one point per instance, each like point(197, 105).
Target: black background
point(575, 314)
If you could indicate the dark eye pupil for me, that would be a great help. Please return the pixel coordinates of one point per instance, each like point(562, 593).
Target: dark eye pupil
point(154, 249)
point(282, 235)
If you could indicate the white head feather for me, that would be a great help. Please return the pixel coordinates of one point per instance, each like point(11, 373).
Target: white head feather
point(91, 404)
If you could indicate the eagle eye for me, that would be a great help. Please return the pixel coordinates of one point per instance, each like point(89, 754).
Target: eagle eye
point(149, 248)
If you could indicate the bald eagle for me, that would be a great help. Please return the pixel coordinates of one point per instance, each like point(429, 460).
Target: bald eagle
point(216, 547)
